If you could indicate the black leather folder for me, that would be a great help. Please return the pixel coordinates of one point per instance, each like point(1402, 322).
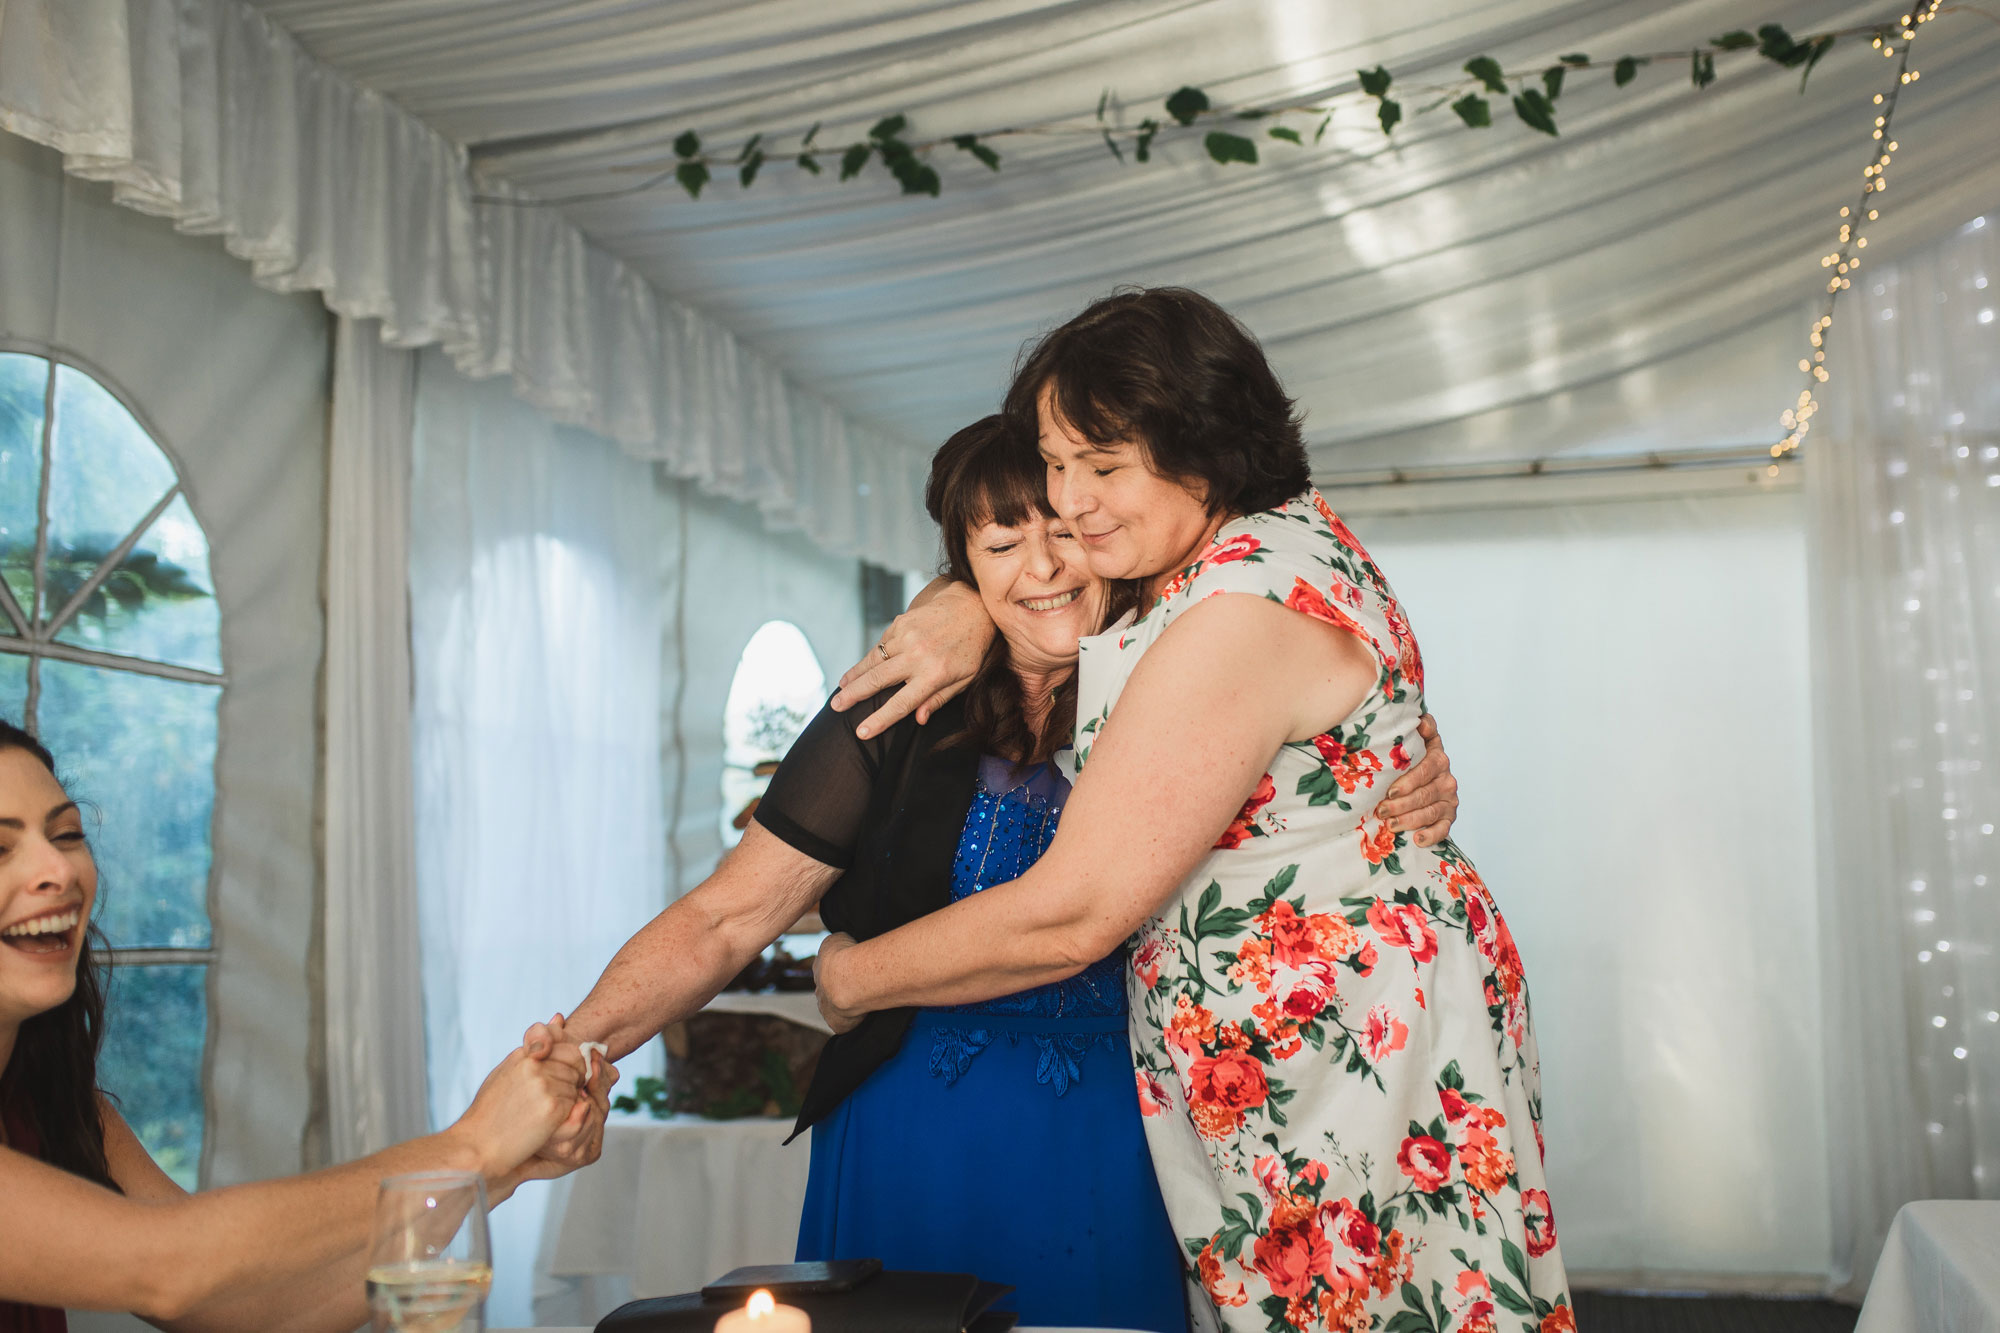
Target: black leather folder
point(888, 1302)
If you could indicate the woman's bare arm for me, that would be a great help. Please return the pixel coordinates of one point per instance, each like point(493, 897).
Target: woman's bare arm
point(1194, 731)
point(241, 1258)
point(684, 956)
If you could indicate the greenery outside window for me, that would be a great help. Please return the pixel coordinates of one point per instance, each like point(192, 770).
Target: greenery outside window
point(111, 652)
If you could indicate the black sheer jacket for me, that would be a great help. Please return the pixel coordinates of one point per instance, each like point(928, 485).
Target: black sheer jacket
point(888, 814)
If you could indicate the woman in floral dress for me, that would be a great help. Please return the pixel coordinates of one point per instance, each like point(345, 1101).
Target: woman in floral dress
point(1330, 1022)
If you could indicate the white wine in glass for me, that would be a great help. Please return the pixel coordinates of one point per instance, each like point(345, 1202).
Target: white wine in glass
point(430, 1266)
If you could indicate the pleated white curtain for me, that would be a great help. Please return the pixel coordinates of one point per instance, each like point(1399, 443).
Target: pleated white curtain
point(1905, 484)
point(208, 113)
point(537, 617)
point(375, 1077)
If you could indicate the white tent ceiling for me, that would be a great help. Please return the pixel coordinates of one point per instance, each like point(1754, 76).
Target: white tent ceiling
point(1663, 249)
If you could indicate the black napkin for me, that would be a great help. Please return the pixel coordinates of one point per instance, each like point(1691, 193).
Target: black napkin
point(886, 1303)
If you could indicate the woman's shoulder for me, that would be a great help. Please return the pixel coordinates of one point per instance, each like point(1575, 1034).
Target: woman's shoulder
point(1299, 548)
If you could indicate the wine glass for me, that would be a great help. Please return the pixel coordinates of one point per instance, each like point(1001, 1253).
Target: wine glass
point(431, 1265)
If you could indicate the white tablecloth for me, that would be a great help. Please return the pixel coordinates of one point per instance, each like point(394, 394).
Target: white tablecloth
point(1940, 1271)
point(671, 1205)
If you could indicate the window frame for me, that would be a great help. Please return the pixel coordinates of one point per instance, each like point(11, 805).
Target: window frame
point(37, 643)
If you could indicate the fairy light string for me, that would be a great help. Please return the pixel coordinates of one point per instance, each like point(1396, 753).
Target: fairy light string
point(1850, 240)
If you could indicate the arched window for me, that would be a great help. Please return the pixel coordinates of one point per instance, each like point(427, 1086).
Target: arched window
point(111, 652)
point(777, 689)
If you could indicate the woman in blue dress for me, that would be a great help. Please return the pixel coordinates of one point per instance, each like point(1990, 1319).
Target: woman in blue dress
point(1001, 1139)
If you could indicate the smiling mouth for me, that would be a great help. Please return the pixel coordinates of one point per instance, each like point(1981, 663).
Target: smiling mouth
point(48, 934)
point(1055, 603)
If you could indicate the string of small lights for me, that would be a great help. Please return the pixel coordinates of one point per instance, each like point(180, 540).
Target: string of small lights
point(1845, 258)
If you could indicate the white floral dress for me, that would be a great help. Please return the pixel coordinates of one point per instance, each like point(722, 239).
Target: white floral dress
point(1329, 1024)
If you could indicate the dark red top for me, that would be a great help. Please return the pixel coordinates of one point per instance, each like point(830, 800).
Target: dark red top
point(15, 1317)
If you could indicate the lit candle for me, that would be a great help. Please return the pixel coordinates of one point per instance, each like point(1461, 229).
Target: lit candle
point(764, 1315)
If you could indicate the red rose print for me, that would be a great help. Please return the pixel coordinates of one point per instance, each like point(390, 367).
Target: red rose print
point(1357, 1242)
point(1244, 826)
point(1352, 769)
point(1408, 660)
point(1456, 1108)
point(1562, 1319)
point(1473, 1303)
point(1233, 1079)
point(1399, 756)
point(1270, 1173)
point(1146, 962)
point(1384, 1035)
point(1154, 1098)
point(1289, 1258)
point(1221, 1290)
point(1310, 600)
point(1379, 845)
point(1312, 1173)
point(1291, 935)
point(1305, 1000)
point(1237, 547)
point(1486, 1164)
point(1541, 1222)
point(1402, 926)
point(1365, 960)
point(1425, 1161)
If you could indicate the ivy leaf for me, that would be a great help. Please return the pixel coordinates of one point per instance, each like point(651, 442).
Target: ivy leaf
point(1535, 110)
point(1103, 100)
point(751, 166)
point(1474, 110)
point(921, 180)
point(1487, 70)
point(1390, 112)
point(970, 143)
point(1702, 68)
point(1186, 104)
point(1819, 48)
point(1626, 70)
point(1290, 136)
point(688, 145)
point(807, 142)
point(1733, 41)
point(1320, 133)
point(809, 162)
point(1552, 79)
point(692, 176)
point(1230, 148)
point(1112, 144)
point(1142, 147)
point(750, 148)
point(1375, 81)
point(888, 127)
point(855, 158)
point(1774, 43)
point(1574, 60)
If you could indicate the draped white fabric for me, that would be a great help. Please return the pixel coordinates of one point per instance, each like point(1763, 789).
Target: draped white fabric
point(1448, 296)
point(375, 1078)
point(1906, 517)
point(537, 620)
point(1617, 685)
point(209, 113)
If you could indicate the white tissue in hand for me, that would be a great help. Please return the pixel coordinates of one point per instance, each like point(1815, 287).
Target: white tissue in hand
point(591, 1051)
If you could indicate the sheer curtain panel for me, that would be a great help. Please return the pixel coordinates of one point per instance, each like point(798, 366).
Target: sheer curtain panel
point(536, 612)
point(1905, 485)
point(374, 1004)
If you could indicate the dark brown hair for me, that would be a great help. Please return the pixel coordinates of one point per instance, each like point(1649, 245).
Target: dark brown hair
point(1172, 371)
point(989, 472)
point(52, 1075)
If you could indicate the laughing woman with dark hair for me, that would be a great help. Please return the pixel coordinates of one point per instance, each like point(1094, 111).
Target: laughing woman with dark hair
point(1330, 1019)
point(88, 1221)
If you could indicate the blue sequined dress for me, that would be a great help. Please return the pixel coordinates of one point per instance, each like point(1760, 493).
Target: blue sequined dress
point(1004, 1138)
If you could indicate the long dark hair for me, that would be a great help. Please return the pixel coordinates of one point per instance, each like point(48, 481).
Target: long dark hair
point(53, 1073)
point(1173, 371)
point(990, 472)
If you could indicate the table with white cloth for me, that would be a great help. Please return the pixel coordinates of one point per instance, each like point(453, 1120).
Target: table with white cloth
point(1940, 1271)
point(671, 1205)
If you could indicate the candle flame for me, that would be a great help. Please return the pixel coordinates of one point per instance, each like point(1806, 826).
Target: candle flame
point(761, 1303)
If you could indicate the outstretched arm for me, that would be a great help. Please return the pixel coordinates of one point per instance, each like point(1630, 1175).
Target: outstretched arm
point(684, 956)
point(1195, 729)
point(240, 1258)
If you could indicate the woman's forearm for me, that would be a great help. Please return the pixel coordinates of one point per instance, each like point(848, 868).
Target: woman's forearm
point(1006, 939)
point(677, 963)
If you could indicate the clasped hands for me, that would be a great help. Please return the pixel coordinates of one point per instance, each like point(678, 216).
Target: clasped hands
point(578, 1140)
